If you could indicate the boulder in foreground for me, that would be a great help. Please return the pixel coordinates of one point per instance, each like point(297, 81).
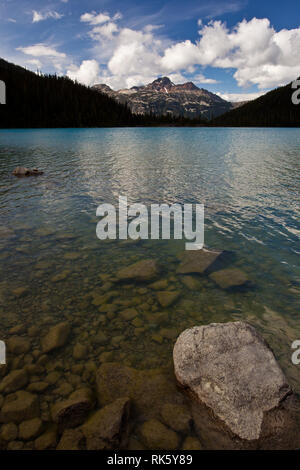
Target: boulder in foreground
point(240, 396)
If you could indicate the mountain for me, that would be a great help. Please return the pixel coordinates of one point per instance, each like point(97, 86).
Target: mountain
point(275, 109)
point(163, 97)
point(51, 101)
point(34, 101)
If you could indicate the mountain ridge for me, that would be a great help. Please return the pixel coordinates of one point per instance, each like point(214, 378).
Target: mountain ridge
point(162, 97)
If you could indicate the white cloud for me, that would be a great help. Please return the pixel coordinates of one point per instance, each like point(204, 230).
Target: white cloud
point(45, 55)
point(237, 97)
point(257, 53)
point(105, 31)
point(41, 50)
point(201, 79)
point(94, 18)
point(87, 73)
point(260, 55)
point(40, 16)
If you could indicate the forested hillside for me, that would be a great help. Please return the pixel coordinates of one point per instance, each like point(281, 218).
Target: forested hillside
point(275, 109)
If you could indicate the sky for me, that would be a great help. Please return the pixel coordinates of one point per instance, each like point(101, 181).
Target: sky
point(238, 49)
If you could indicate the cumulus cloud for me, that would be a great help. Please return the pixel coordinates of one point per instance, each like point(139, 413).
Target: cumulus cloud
point(41, 50)
point(201, 79)
point(257, 53)
point(45, 54)
point(88, 73)
point(38, 16)
point(238, 97)
point(260, 55)
point(94, 18)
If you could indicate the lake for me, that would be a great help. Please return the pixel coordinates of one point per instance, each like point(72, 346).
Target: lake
point(54, 268)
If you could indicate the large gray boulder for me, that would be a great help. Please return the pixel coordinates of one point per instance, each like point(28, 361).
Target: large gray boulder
point(239, 395)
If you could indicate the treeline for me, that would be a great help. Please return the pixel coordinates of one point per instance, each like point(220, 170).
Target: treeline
point(275, 109)
point(34, 101)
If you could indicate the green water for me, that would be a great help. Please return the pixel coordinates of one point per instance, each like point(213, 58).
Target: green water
point(53, 266)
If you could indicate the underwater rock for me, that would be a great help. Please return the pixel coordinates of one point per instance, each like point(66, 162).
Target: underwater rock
point(30, 429)
point(159, 285)
point(60, 276)
point(129, 314)
point(80, 351)
point(23, 171)
point(108, 428)
point(18, 345)
point(240, 396)
point(72, 439)
point(9, 432)
point(197, 261)
point(72, 412)
point(156, 436)
point(190, 282)
point(148, 389)
point(177, 417)
point(167, 298)
point(56, 337)
point(19, 406)
point(20, 291)
point(144, 270)
point(191, 443)
point(228, 278)
point(47, 441)
point(37, 387)
point(14, 381)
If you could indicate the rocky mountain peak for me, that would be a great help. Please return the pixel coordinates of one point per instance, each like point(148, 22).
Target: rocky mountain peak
point(161, 84)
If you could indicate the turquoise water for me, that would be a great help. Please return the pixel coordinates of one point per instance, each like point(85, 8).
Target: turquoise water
point(52, 263)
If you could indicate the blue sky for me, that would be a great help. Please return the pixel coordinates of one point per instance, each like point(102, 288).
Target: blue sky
point(237, 48)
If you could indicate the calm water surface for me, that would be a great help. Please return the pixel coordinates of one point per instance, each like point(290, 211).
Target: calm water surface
point(53, 266)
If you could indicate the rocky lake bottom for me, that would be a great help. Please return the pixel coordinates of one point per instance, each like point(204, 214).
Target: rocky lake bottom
point(86, 328)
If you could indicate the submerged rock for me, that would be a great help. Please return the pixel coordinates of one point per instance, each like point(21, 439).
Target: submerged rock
point(156, 436)
point(192, 443)
point(72, 412)
point(108, 428)
point(197, 261)
point(144, 270)
point(9, 432)
point(56, 337)
point(23, 171)
point(148, 389)
point(30, 429)
point(228, 278)
point(14, 381)
point(46, 441)
point(167, 298)
point(18, 345)
point(177, 417)
point(19, 406)
point(72, 439)
point(240, 396)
